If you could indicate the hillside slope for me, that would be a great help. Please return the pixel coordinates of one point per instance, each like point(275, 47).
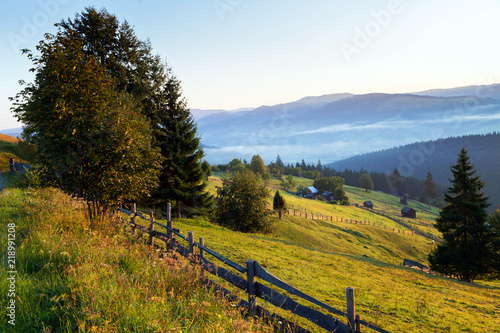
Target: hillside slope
point(322, 257)
point(415, 160)
point(7, 150)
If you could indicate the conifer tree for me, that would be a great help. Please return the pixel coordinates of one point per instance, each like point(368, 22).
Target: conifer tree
point(429, 189)
point(463, 223)
point(182, 175)
point(279, 203)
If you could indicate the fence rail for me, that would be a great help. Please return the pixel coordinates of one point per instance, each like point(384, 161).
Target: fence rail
point(250, 285)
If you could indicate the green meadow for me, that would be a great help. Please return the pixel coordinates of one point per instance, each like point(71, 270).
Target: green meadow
point(76, 276)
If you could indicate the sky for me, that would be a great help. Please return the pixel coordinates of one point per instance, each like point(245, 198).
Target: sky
point(232, 54)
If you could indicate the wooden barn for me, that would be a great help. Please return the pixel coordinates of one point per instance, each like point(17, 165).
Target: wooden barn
point(368, 204)
point(327, 195)
point(408, 212)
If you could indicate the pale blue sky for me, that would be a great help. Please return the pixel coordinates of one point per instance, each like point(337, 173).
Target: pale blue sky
point(246, 53)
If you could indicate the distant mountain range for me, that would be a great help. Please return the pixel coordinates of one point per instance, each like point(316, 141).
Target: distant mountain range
point(15, 132)
point(334, 127)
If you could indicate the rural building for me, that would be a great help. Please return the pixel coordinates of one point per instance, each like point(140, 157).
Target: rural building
point(408, 212)
point(368, 204)
point(327, 195)
point(312, 192)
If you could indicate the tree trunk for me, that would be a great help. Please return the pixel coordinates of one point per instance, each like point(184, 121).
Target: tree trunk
point(279, 214)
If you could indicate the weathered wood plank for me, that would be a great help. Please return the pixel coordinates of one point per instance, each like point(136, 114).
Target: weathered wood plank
point(370, 326)
point(226, 261)
point(275, 298)
point(234, 279)
point(124, 211)
point(266, 276)
point(141, 216)
point(280, 324)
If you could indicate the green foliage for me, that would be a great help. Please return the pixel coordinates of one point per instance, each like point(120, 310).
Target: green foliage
point(91, 139)
point(288, 182)
point(242, 203)
point(207, 169)
point(464, 252)
point(275, 170)
point(257, 165)
point(429, 189)
point(366, 182)
point(494, 245)
point(328, 184)
point(279, 203)
point(182, 174)
point(235, 165)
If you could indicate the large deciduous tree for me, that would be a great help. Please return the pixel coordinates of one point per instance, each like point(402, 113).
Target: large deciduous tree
point(242, 203)
point(464, 252)
point(182, 178)
point(366, 182)
point(257, 165)
point(92, 140)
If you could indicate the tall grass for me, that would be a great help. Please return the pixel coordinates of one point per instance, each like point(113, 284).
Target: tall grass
point(74, 276)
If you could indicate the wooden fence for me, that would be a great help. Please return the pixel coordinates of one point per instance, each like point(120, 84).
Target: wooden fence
point(253, 271)
point(16, 167)
point(308, 214)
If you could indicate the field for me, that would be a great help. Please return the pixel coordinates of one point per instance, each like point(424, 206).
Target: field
point(74, 276)
point(322, 258)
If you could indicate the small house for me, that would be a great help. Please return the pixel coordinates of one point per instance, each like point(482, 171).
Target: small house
point(408, 212)
point(368, 204)
point(327, 195)
point(312, 192)
point(403, 200)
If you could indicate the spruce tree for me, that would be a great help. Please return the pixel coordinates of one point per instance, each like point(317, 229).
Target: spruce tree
point(182, 175)
point(463, 224)
point(279, 203)
point(429, 189)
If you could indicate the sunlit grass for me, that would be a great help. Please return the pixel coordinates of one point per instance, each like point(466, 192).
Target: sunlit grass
point(74, 276)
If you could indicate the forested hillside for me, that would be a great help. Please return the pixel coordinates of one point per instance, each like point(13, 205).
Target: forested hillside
point(415, 160)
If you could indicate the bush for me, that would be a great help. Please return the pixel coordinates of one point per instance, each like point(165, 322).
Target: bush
point(242, 203)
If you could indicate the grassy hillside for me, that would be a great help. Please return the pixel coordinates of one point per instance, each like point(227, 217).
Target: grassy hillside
point(323, 258)
point(73, 276)
point(76, 277)
point(8, 149)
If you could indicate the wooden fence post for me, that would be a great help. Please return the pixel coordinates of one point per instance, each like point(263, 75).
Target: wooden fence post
point(351, 311)
point(191, 242)
point(358, 324)
point(132, 219)
point(252, 291)
point(152, 230)
point(202, 243)
point(169, 224)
